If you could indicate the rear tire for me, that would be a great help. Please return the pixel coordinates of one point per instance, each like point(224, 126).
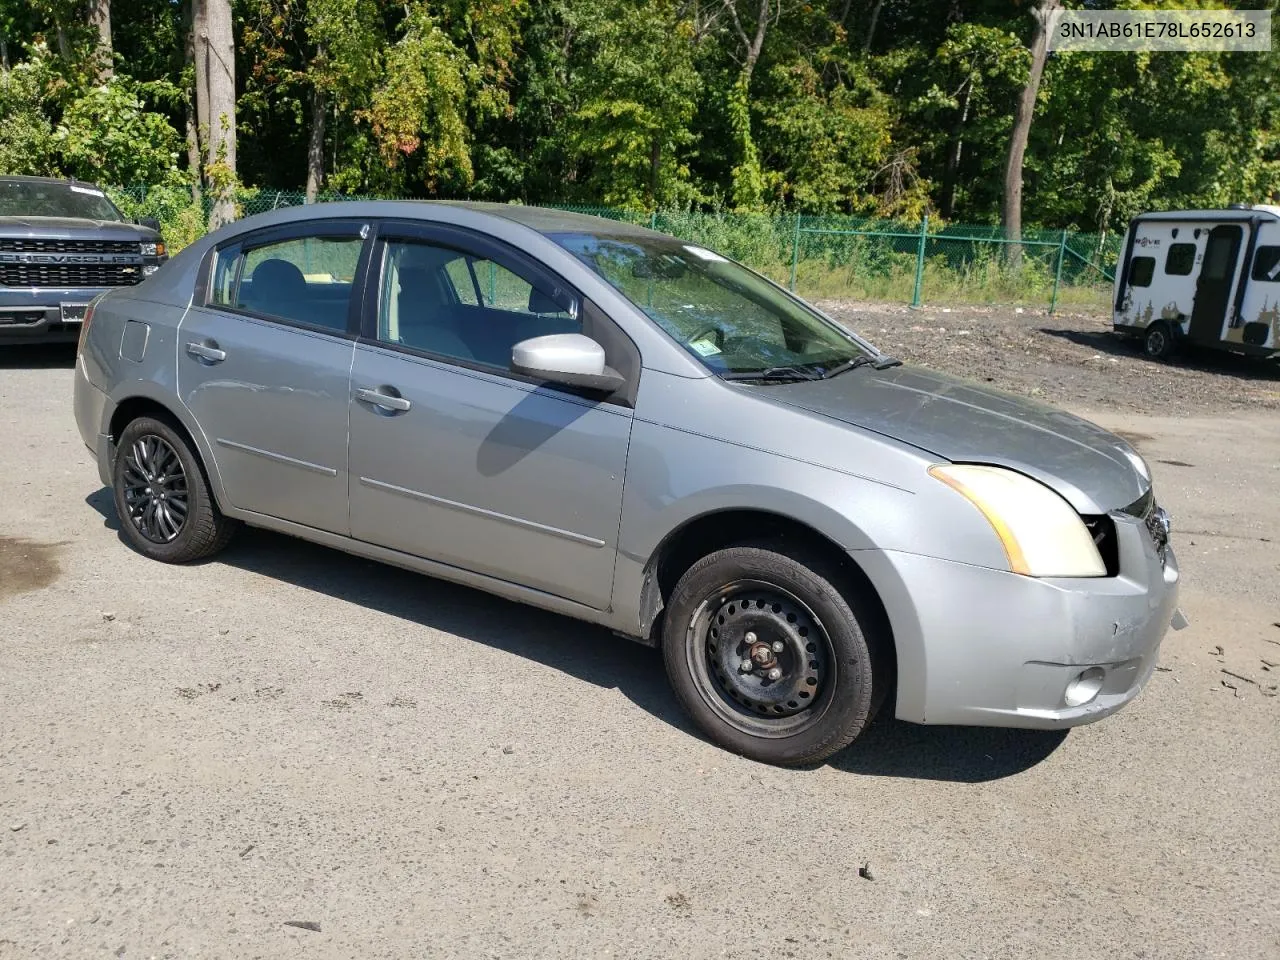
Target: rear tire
point(1158, 342)
point(812, 686)
point(166, 509)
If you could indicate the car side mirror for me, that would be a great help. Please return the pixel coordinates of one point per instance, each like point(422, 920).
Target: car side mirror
point(151, 223)
point(568, 358)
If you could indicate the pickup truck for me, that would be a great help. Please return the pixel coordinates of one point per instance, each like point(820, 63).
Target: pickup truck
point(62, 242)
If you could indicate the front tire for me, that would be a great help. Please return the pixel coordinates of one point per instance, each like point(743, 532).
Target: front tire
point(768, 657)
point(166, 509)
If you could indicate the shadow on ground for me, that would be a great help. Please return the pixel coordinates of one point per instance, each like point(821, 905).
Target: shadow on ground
point(890, 748)
point(1207, 361)
point(37, 356)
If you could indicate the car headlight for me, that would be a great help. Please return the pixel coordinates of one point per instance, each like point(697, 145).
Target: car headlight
point(153, 249)
point(1041, 534)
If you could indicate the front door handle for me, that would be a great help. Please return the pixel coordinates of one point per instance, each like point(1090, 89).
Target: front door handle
point(385, 400)
point(203, 351)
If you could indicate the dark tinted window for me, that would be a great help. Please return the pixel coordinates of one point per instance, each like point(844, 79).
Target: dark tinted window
point(446, 302)
point(1180, 259)
point(1266, 264)
point(304, 279)
point(1141, 270)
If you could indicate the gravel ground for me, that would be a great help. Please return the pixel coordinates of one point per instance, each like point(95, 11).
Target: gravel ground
point(290, 752)
point(1065, 358)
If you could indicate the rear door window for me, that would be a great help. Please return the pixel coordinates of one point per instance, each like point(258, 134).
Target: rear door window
point(306, 280)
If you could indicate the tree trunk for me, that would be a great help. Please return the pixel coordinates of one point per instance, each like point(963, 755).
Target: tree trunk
point(955, 154)
point(655, 166)
point(193, 123)
point(315, 144)
point(64, 46)
point(746, 175)
point(1011, 208)
point(216, 80)
point(871, 28)
point(100, 19)
point(4, 54)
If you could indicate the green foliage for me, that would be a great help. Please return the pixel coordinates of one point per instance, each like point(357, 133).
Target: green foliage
point(27, 144)
point(108, 135)
point(652, 104)
point(634, 102)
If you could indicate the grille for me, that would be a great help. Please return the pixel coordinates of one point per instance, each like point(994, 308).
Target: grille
point(21, 318)
point(1154, 518)
point(26, 245)
point(69, 274)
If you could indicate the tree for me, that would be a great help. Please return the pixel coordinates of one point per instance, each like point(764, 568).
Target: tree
point(216, 103)
point(100, 20)
point(1011, 208)
point(748, 186)
point(636, 97)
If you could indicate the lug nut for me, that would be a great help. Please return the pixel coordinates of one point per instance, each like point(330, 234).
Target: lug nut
point(750, 637)
point(775, 674)
point(777, 646)
point(746, 666)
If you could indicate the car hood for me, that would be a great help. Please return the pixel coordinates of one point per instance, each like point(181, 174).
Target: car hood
point(72, 227)
point(965, 422)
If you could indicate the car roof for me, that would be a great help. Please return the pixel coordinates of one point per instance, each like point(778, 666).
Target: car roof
point(548, 220)
point(543, 220)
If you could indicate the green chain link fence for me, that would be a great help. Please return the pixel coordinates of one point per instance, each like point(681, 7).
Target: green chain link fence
point(830, 256)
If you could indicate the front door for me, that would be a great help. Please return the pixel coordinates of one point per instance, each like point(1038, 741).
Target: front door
point(1215, 283)
point(457, 459)
point(264, 366)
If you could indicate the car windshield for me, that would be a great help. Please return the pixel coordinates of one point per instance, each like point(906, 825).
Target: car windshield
point(34, 198)
point(730, 318)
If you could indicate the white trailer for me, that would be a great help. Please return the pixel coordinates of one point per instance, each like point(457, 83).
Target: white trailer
point(1202, 278)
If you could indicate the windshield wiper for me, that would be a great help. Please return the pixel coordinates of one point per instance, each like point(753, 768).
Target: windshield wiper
point(882, 362)
point(778, 374)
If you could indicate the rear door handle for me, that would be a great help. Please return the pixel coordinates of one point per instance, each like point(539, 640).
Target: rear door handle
point(385, 400)
point(202, 351)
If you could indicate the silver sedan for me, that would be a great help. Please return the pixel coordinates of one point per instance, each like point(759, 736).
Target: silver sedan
point(636, 431)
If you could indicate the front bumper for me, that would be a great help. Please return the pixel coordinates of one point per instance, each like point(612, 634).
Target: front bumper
point(990, 648)
point(34, 314)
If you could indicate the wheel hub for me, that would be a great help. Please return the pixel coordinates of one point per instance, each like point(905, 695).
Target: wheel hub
point(155, 489)
point(764, 651)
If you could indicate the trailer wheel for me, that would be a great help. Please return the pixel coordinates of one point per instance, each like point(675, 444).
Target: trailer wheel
point(1159, 342)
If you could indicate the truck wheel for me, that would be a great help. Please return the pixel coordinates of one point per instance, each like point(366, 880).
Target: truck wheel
point(165, 506)
point(1159, 343)
point(770, 659)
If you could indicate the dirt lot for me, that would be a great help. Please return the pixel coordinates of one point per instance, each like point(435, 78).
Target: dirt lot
point(192, 759)
point(1070, 359)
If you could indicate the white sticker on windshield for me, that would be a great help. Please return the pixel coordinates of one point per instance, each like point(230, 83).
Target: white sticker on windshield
point(702, 253)
point(704, 347)
point(89, 190)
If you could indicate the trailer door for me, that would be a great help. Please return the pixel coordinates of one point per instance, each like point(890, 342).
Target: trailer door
point(1213, 286)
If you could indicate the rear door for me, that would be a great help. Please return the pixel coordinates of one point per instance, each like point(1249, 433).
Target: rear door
point(456, 458)
point(1217, 279)
point(264, 366)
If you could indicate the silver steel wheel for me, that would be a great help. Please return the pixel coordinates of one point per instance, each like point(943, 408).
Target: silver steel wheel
point(761, 659)
point(155, 489)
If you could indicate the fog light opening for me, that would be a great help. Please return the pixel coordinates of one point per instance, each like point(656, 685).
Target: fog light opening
point(1084, 687)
